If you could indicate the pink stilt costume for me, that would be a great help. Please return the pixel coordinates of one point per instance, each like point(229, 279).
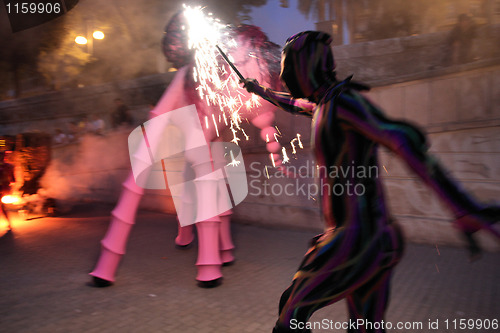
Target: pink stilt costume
point(215, 245)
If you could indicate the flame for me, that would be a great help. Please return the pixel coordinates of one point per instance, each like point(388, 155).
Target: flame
point(11, 199)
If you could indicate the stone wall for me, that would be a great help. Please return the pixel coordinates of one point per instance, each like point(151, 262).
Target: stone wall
point(461, 113)
point(387, 61)
point(57, 109)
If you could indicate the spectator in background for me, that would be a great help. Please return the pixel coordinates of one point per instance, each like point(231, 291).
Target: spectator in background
point(7, 179)
point(96, 124)
point(461, 40)
point(73, 134)
point(121, 115)
point(60, 138)
point(83, 125)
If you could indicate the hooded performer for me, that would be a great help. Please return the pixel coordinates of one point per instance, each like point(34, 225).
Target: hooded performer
point(355, 256)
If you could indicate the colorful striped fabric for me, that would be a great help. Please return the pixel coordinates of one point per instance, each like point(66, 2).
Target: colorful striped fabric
point(354, 257)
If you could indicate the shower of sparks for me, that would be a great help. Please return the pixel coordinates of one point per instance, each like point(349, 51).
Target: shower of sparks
point(276, 137)
point(267, 172)
point(300, 142)
point(294, 151)
point(245, 134)
point(285, 156)
point(437, 268)
point(215, 125)
point(272, 160)
point(385, 169)
point(437, 250)
point(233, 162)
point(255, 100)
point(217, 85)
point(267, 138)
point(235, 137)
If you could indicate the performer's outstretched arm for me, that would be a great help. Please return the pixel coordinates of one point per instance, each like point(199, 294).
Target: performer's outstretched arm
point(409, 143)
point(281, 99)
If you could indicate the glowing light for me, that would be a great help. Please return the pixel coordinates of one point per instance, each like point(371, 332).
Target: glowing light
point(216, 129)
point(233, 162)
point(385, 169)
point(285, 156)
point(245, 134)
point(235, 137)
point(272, 160)
point(98, 34)
point(294, 151)
point(276, 137)
point(217, 85)
point(11, 199)
point(300, 142)
point(80, 40)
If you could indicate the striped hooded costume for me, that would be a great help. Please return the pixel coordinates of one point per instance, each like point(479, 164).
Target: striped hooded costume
point(361, 245)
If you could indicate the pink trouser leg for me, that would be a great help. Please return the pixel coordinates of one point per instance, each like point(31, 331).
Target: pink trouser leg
point(226, 242)
point(209, 261)
point(122, 220)
point(185, 235)
point(207, 204)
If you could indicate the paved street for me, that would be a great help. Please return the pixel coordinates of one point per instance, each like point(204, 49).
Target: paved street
point(44, 264)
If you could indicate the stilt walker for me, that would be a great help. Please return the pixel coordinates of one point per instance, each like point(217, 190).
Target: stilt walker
point(215, 245)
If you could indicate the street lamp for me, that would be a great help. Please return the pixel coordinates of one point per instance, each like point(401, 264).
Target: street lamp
point(98, 34)
point(89, 40)
point(80, 40)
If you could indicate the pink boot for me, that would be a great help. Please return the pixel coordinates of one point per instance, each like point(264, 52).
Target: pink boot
point(226, 243)
point(185, 236)
point(209, 261)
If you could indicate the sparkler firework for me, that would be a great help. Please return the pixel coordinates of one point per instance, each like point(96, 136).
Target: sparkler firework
point(216, 84)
